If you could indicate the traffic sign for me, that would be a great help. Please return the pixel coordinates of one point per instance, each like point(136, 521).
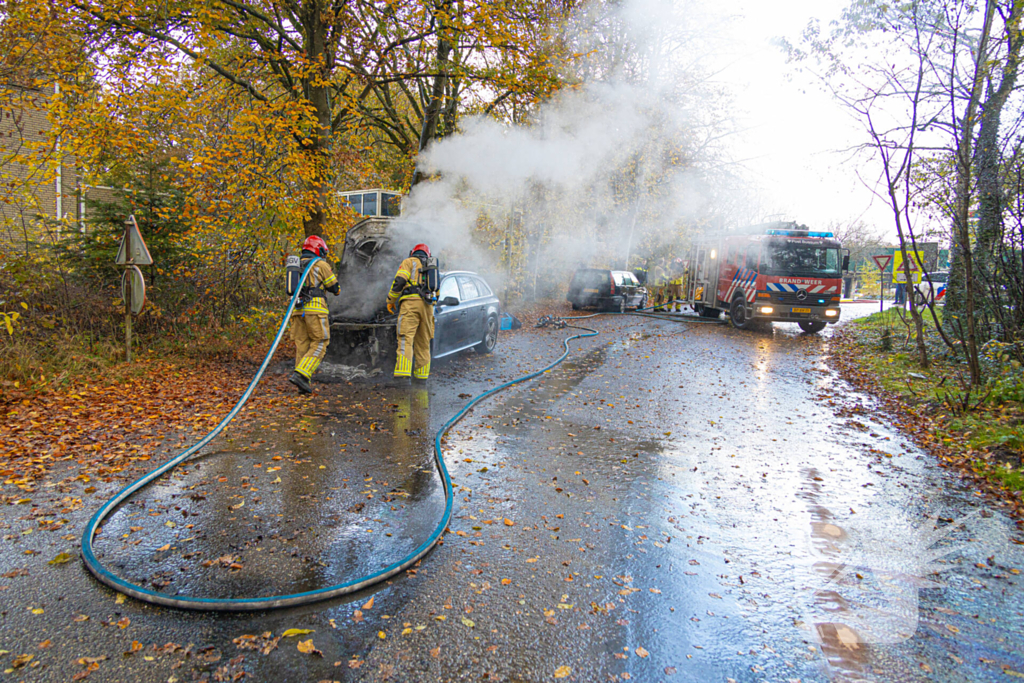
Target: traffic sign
point(882, 261)
point(916, 259)
point(133, 248)
point(133, 289)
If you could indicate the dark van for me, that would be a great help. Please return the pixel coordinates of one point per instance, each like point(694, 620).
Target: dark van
point(608, 290)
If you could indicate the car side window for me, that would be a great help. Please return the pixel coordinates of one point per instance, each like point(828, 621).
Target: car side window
point(449, 287)
point(468, 287)
point(617, 277)
point(482, 287)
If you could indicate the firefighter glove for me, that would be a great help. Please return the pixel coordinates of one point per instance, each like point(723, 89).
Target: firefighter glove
point(391, 305)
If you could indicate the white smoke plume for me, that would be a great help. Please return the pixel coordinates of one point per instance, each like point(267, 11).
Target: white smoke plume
point(627, 160)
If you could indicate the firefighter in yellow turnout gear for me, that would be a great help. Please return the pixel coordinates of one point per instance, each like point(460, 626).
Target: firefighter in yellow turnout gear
point(309, 325)
point(411, 296)
point(675, 286)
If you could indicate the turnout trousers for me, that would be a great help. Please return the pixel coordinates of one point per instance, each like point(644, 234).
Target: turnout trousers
point(675, 292)
point(415, 330)
point(311, 334)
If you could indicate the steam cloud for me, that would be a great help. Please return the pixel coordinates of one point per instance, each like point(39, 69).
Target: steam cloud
point(626, 160)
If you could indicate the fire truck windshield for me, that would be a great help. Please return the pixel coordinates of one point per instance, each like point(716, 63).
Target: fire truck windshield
point(798, 258)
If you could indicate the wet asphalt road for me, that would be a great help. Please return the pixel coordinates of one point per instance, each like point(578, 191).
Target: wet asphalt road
point(674, 502)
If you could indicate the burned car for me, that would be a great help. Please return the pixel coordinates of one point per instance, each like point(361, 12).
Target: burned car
point(363, 332)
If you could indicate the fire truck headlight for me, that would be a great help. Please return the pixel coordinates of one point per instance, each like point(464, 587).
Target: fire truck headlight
point(767, 310)
point(831, 312)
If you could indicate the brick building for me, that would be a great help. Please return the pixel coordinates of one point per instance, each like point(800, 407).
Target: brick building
point(34, 188)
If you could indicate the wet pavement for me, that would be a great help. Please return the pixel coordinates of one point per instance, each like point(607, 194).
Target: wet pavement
point(674, 502)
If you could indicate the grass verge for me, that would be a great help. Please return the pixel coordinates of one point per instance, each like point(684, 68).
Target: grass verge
point(980, 430)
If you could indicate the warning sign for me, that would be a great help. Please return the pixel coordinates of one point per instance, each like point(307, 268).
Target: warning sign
point(133, 249)
point(916, 259)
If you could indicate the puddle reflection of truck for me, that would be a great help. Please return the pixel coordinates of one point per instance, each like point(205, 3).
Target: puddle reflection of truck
point(362, 331)
point(780, 272)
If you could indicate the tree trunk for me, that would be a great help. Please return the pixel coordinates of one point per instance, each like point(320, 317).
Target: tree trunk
point(989, 156)
point(316, 146)
point(434, 107)
point(960, 304)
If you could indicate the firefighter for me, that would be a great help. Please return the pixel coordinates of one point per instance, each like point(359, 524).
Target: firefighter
point(411, 296)
point(675, 286)
point(640, 272)
point(660, 277)
point(310, 329)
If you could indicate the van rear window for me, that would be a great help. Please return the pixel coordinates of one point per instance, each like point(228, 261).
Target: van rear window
point(590, 278)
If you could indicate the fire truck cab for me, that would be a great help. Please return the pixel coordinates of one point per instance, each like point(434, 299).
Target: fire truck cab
point(781, 272)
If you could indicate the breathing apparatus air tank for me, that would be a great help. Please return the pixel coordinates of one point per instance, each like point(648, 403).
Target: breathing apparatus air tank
point(431, 275)
point(293, 273)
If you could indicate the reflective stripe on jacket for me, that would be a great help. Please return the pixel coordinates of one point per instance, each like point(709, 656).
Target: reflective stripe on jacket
point(411, 271)
point(320, 277)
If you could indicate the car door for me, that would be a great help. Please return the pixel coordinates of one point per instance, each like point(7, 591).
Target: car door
point(446, 318)
point(633, 286)
point(485, 307)
point(472, 319)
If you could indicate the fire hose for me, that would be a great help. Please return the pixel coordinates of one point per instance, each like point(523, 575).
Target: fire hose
point(105, 576)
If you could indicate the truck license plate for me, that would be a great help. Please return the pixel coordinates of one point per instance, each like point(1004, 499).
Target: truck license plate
point(590, 291)
point(801, 310)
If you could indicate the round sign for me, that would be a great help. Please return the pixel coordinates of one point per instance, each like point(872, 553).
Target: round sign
point(133, 278)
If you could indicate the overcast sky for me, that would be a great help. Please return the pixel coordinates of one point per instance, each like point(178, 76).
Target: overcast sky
point(795, 131)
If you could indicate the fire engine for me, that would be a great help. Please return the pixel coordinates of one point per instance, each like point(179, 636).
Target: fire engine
point(781, 272)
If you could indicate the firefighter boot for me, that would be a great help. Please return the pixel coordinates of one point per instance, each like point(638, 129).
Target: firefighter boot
point(399, 382)
point(299, 380)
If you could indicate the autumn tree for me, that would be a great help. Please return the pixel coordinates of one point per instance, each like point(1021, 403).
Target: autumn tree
point(401, 70)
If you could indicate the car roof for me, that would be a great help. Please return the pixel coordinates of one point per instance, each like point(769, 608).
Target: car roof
point(458, 272)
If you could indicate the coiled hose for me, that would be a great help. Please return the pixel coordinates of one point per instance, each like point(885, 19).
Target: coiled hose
point(278, 601)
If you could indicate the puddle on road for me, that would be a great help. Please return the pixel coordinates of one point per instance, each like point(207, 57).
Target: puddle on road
point(286, 509)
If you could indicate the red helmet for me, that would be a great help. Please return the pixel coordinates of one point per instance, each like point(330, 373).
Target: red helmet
point(420, 247)
point(315, 244)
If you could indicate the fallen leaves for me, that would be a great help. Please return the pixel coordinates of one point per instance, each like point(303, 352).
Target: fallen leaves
point(61, 558)
point(292, 632)
point(563, 672)
point(264, 643)
point(306, 647)
point(21, 660)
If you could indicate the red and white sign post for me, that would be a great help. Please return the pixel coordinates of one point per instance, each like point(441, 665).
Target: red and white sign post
point(881, 261)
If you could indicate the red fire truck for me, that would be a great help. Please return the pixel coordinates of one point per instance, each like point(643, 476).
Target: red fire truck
point(772, 272)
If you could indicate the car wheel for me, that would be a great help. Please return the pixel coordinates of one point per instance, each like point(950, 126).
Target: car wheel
point(575, 307)
point(643, 302)
point(811, 326)
point(490, 336)
point(738, 315)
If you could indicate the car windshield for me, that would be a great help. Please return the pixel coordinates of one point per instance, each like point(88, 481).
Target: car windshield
point(938, 277)
point(798, 258)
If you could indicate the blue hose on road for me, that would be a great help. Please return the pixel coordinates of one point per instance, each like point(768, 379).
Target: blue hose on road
point(292, 600)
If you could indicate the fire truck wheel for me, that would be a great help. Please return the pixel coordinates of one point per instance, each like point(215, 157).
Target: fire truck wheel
point(708, 312)
point(812, 326)
point(738, 315)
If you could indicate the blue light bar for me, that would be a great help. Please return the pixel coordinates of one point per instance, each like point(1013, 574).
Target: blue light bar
point(798, 233)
